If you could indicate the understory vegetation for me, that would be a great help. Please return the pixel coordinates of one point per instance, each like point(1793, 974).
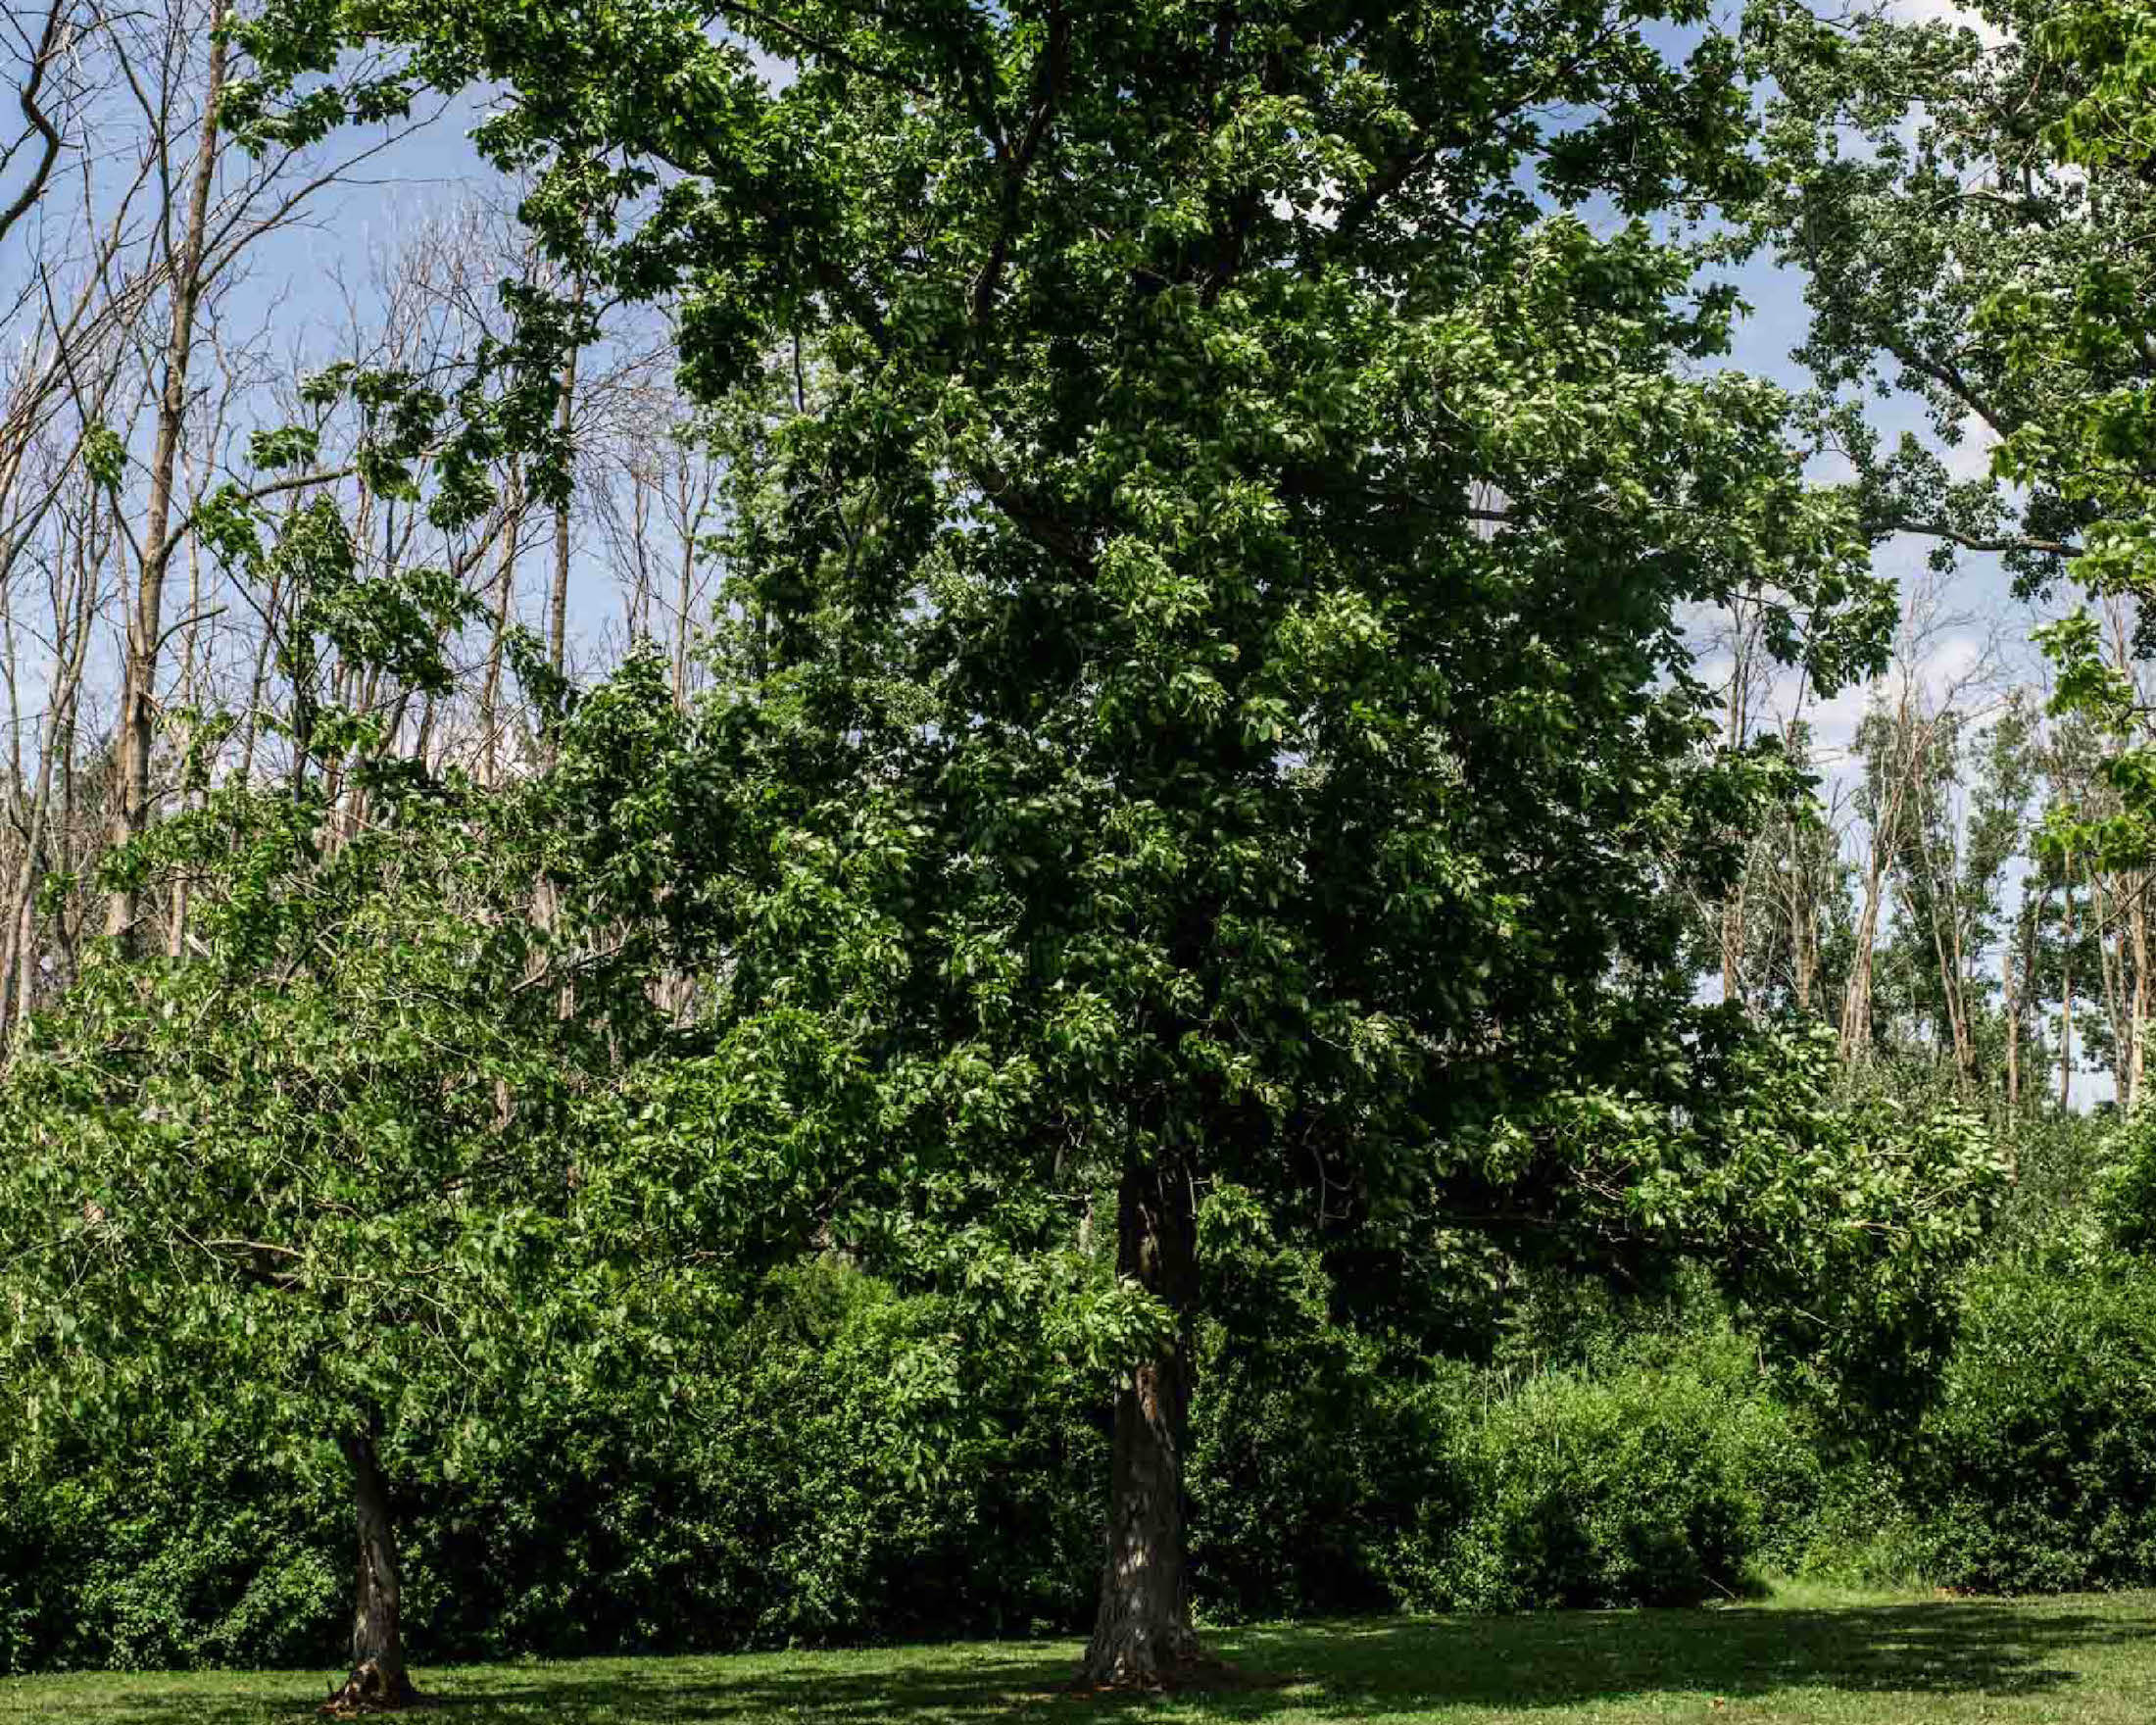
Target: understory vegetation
point(1606, 1451)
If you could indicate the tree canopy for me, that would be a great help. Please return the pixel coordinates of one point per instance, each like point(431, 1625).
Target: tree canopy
point(1203, 732)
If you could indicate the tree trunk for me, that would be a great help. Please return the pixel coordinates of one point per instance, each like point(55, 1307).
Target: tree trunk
point(379, 1682)
point(490, 695)
point(2065, 1000)
point(2024, 998)
point(1142, 1637)
point(1856, 1002)
point(558, 619)
point(2013, 1037)
point(137, 723)
point(2137, 1020)
point(1803, 932)
point(681, 616)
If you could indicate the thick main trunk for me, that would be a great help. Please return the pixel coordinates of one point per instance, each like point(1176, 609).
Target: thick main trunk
point(379, 1682)
point(1142, 1636)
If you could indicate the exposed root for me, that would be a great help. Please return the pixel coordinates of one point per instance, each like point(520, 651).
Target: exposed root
point(1195, 1671)
point(370, 1689)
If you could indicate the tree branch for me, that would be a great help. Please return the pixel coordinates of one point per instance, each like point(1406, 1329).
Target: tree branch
point(1969, 542)
point(26, 97)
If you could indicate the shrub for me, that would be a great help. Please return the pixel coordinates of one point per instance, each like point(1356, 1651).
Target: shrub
point(1860, 1533)
point(1657, 1484)
point(2036, 1468)
point(1308, 1454)
point(195, 1554)
point(799, 1498)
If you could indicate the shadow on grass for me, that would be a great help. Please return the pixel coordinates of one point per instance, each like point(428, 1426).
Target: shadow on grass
point(1336, 1671)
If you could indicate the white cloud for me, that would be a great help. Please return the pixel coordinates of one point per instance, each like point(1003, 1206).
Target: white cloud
point(1971, 458)
point(1948, 12)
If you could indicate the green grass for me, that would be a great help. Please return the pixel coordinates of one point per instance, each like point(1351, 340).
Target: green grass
point(2076, 1660)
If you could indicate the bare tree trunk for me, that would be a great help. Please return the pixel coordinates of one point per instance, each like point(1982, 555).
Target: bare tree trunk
point(681, 627)
point(2013, 1009)
point(1733, 946)
point(2137, 1014)
point(1733, 911)
point(1142, 1636)
point(1950, 982)
point(2103, 920)
point(2020, 998)
point(2065, 999)
point(379, 1681)
point(176, 935)
point(1803, 936)
point(558, 619)
point(146, 620)
point(1856, 1005)
point(1856, 1002)
point(490, 694)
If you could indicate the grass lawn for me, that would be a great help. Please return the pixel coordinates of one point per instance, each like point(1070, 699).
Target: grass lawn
point(2087, 1660)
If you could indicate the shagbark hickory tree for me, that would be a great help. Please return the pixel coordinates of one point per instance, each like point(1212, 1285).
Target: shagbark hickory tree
point(1206, 723)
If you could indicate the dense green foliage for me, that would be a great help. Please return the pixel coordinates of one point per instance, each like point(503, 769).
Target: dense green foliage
point(1660, 1483)
point(794, 1505)
point(1606, 1451)
point(2036, 1470)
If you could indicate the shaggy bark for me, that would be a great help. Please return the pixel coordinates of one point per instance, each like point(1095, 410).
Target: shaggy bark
point(379, 1682)
point(1142, 1637)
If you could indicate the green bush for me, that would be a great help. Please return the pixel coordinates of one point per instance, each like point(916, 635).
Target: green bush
point(2036, 1468)
point(801, 1496)
point(849, 1466)
point(1859, 1534)
point(1659, 1483)
point(1309, 1455)
point(192, 1556)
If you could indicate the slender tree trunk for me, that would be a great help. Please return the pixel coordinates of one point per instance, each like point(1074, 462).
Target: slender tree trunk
point(1856, 1002)
point(2012, 1005)
point(1733, 912)
point(1142, 1636)
point(2065, 1000)
point(2018, 999)
point(558, 619)
point(2103, 920)
point(1803, 934)
point(1732, 947)
point(687, 574)
point(146, 620)
point(490, 694)
point(379, 1681)
point(176, 943)
point(1950, 984)
point(2137, 1016)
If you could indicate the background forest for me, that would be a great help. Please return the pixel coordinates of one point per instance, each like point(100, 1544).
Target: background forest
point(702, 881)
